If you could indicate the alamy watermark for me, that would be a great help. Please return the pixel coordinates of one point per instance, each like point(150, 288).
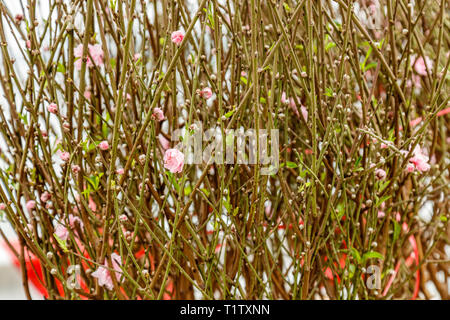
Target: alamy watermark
point(232, 146)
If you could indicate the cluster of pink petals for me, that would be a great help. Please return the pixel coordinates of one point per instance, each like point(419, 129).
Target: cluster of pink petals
point(31, 204)
point(120, 171)
point(206, 93)
point(293, 105)
point(45, 196)
point(76, 168)
point(64, 155)
point(418, 161)
point(177, 37)
point(2, 206)
point(61, 232)
point(104, 145)
point(104, 275)
point(52, 108)
point(420, 65)
point(380, 174)
point(173, 160)
point(158, 114)
point(95, 51)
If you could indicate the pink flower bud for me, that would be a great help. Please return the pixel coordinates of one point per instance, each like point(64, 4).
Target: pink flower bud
point(206, 93)
point(45, 196)
point(177, 37)
point(157, 114)
point(104, 145)
point(2, 206)
point(52, 108)
point(65, 156)
point(31, 204)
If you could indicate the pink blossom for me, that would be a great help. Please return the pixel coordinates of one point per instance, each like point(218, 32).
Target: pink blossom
point(120, 171)
point(61, 232)
point(95, 51)
point(304, 112)
point(87, 95)
point(177, 37)
point(165, 144)
point(443, 112)
point(92, 205)
point(52, 108)
point(18, 18)
point(123, 217)
point(74, 219)
point(383, 145)
point(103, 274)
point(28, 44)
point(381, 214)
point(103, 145)
point(284, 99)
point(2, 206)
point(174, 160)
point(76, 168)
point(380, 174)
point(415, 122)
point(158, 114)
point(420, 65)
point(31, 204)
point(136, 57)
point(419, 160)
point(206, 93)
point(45, 196)
point(65, 156)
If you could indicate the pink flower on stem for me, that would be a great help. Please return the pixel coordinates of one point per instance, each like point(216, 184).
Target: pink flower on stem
point(174, 160)
point(206, 93)
point(31, 204)
point(2, 206)
point(158, 114)
point(18, 18)
point(52, 108)
point(61, 232)
point(103, 274)
point(284, 98)
point(304, 112)
point(165, 144)
point(380, 174)
point(87, 95)
point(28, 44)
point(419, 160)
point(420, 65)
point(120, 171)
point(95, 51)
point(65, 156)
point(177, 37)
point(76, 168)
point(73, 220)
point(45, 196)
point(104, 145)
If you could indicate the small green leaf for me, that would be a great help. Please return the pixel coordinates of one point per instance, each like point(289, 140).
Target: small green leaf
point(62, 243)
point(356, 255)
point(372, 255)
point(61, 68)
point(291, 164)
